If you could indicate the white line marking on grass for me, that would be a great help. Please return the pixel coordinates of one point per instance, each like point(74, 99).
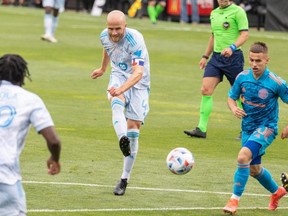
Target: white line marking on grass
point(141, 188)
point(139, 209)
point(145, 209)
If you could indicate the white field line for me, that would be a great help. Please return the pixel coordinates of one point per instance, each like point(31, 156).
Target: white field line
point(145, 209)
point(140, 209)
point(141, 188)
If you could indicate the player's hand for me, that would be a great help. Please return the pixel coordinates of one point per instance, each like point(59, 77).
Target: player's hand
point(227, 52)
point(202, 63)
point(284, 133)
point(97, 73)
point(53, 167)
point(114, 92)
point(238, 112)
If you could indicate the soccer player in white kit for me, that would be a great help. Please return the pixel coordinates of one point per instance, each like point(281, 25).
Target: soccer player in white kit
point(51, 18)
point(129, 86)
point(19, 109)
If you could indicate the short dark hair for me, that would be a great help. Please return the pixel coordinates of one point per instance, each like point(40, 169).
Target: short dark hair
point(259, 47)
point(13, 68)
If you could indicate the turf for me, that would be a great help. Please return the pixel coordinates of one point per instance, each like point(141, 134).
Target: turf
point(91, 159)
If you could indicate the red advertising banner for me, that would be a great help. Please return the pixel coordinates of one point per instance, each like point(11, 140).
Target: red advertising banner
point(204, 7)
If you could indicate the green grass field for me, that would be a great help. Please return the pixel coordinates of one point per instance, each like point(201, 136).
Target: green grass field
point(91, 159)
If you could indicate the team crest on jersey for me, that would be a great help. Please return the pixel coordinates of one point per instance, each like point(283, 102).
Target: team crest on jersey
point(226, 25)
point(7, 114)
point(263, 93)
point(123, 66)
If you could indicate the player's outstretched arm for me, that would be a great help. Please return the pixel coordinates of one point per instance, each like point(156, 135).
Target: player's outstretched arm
point(100, 71)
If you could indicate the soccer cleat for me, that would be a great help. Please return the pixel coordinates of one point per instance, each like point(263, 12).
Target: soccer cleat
point(274, 200)
point(49, 38)
point(124, 144)
point(231, 206)
point(284, 180)
point(120, 188)
point(195, 133)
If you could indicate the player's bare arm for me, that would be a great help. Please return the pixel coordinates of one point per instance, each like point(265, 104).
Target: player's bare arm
point(207, 53)
point(133, 79)
point(243, 37)
point(238, 112)
point(54, 146)
point(100, 71)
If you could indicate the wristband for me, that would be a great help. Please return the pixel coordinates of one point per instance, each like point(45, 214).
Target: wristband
point(233, 47)
point(205, 56)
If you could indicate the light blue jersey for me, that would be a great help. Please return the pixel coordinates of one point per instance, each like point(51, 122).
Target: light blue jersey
point(129, 50)
point(259, 99)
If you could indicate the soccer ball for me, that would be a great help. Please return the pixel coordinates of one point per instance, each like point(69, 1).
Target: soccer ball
point(180, 161)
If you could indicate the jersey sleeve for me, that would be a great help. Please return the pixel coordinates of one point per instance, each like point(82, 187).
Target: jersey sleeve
point(138, 51)
point(40, 117)
point(242, 20)
point(283, 91)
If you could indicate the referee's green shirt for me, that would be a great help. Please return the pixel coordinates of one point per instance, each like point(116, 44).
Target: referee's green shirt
point(226, 24)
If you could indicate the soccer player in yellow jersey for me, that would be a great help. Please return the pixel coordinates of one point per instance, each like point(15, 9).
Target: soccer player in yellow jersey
point(229, 26)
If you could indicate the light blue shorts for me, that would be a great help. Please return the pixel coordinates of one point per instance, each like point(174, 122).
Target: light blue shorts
point(12, 200)
point(136, 100)
point(262, 135)
point(54, 3)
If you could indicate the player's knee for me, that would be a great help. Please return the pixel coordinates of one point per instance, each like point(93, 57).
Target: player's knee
point(206, 91)
point(242, 159)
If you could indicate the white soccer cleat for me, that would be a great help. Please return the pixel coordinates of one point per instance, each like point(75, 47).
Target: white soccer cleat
point(49, 38)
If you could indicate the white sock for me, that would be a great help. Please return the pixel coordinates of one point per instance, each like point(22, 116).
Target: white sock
point(48, 22)
point(54, 24)
point(118, 118)
point(235, 197)
point(133, 135)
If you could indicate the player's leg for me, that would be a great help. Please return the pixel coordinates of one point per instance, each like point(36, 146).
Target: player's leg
point(48, 6)
point(55, 21)
point(184, 12)
point(152, 11)
point(264, 177)
point(240, 179)
point(160, 7)
point(136, 112)
point(48, 19)
point(59, 6)
point(213, 75)
point(195, 12)
point(118, 114)
point(133, 135)
point(264, 136)
point(128, 161)
point(208, 86)
point(12, 199)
